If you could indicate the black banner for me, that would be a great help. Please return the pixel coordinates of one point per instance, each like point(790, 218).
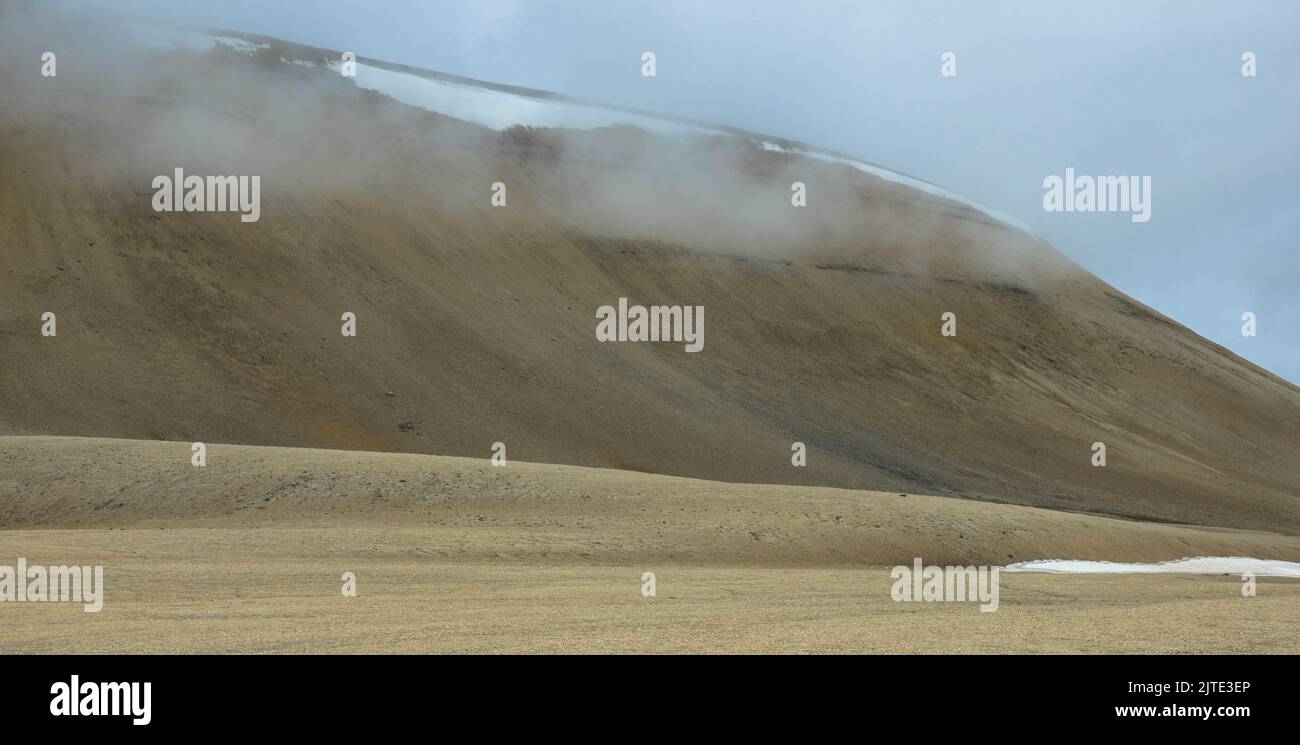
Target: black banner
point(979, 695)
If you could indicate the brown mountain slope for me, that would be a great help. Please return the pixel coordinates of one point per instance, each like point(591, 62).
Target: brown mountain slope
point(822, 322)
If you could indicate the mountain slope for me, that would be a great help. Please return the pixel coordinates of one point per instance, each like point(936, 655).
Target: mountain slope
point(476, 323)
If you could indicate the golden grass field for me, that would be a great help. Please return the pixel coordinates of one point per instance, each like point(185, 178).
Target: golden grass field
point(275, 591)
point(455, 555)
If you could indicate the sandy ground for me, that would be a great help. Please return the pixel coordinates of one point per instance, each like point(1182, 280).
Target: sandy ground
point(530, 512)
point(454, 555)
point(278, 591)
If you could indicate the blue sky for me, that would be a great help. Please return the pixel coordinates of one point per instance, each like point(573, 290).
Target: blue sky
point(1134, 88)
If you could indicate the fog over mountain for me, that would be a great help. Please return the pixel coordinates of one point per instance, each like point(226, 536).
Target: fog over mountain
point(1107, 87)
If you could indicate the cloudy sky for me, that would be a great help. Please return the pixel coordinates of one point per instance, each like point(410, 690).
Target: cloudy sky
point(1133, 88)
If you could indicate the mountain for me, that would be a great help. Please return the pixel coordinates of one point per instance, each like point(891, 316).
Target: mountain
point(476, 323)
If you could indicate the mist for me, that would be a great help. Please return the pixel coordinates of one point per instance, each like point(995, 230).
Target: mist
point(1106, 89)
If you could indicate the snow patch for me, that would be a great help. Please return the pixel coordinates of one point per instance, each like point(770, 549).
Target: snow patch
point(167, 39)
point(1190, 565)
point(497, 109)
point(500, 110)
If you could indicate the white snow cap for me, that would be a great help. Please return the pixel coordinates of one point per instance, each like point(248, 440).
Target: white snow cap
point(501, 109)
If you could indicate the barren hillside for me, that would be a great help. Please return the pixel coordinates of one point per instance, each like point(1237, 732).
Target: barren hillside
point(476, 323)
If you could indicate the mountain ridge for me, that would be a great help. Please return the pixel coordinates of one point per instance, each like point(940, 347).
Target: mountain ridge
point(824, 321)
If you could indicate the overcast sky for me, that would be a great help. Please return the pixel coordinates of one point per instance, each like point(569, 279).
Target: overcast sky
point(1133, 88)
